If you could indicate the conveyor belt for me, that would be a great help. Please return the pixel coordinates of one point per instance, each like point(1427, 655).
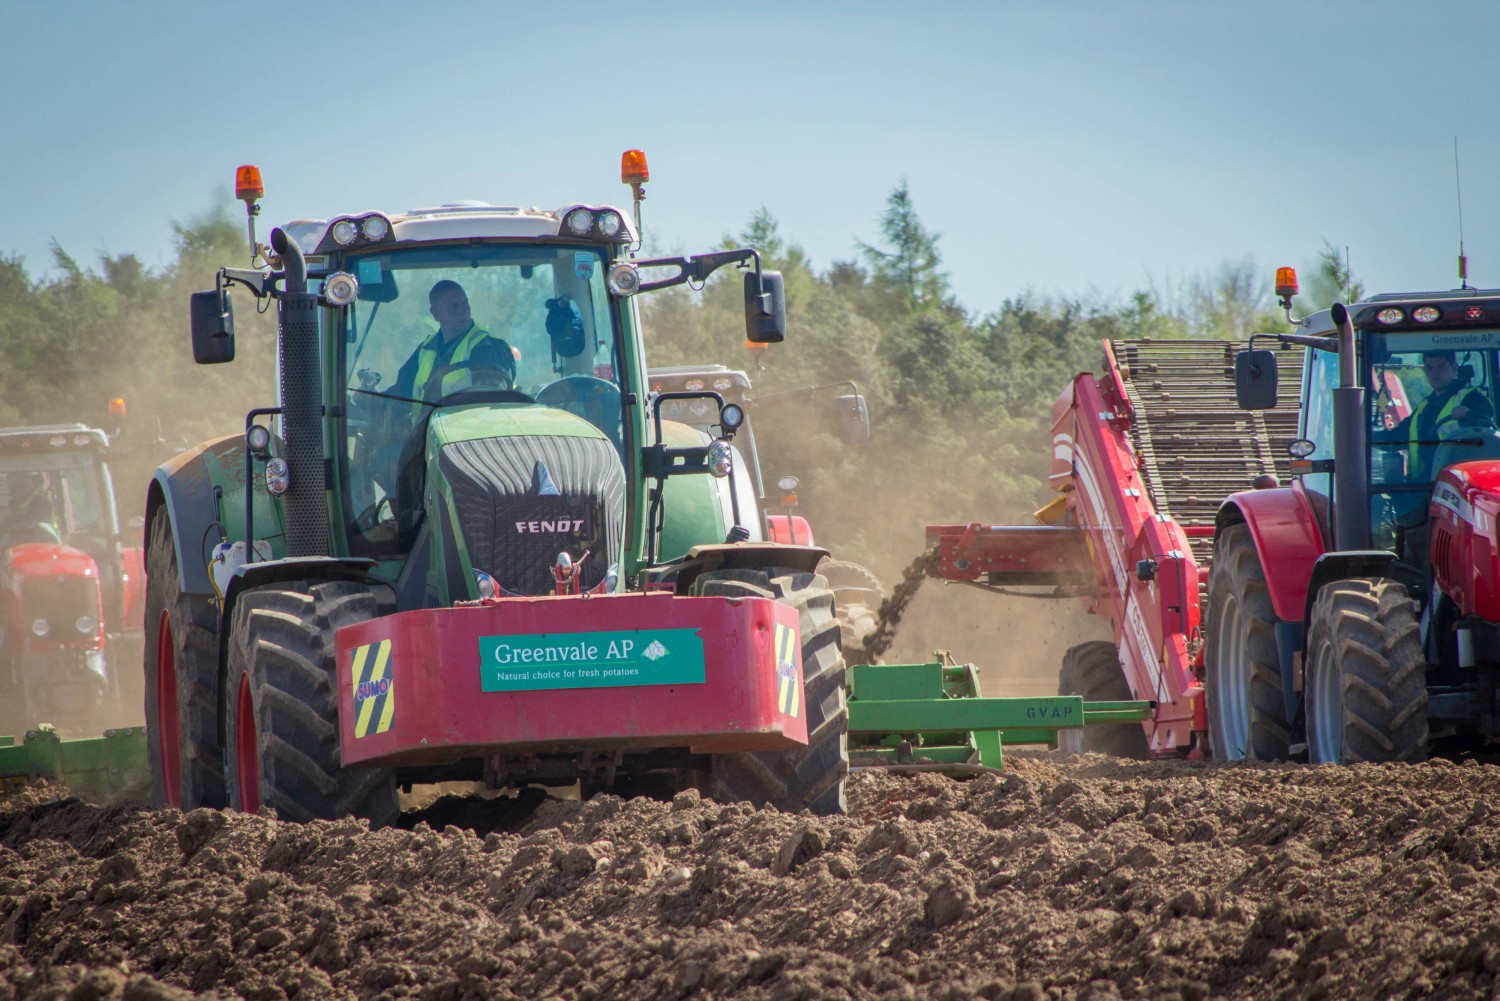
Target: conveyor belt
point(1195, 444)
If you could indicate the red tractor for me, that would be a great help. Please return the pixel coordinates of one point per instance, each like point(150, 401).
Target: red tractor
point(71, 589)
point(1356, 612)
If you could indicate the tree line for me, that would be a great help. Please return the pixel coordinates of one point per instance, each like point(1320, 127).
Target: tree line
point(960, 402)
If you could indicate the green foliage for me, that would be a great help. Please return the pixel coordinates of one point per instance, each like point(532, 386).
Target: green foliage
point(1332, 281)
point(81, 338)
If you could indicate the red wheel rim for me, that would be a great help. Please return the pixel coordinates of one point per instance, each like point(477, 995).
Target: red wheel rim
point(169, 747)
point(247, 758)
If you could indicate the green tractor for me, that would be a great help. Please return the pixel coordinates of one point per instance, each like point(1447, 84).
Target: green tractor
point(466, 544)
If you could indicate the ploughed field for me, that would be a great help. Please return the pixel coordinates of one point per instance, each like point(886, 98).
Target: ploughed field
point(1067, 877)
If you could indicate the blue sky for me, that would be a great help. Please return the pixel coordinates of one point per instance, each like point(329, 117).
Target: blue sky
point(1067, 147)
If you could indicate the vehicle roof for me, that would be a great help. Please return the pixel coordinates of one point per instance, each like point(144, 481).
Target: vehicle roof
point(460, 221)
point(740, 379)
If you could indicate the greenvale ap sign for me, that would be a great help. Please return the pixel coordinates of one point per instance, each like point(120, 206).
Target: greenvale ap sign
point(590, 660)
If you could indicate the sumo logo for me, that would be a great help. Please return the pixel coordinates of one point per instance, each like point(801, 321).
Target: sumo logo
point(372, 689)
point(558, 525)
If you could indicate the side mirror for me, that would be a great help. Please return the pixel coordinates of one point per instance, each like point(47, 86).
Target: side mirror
point(853, 419)
point(1255, 380)
point(765, 308)
point(213, 327)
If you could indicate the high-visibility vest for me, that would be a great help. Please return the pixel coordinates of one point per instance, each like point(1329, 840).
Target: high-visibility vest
point(427, 356)
point(1414, 458)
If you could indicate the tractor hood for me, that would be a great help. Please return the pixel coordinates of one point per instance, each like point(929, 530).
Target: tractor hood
point(519, 486)
point(35, 560)
point(466, 423)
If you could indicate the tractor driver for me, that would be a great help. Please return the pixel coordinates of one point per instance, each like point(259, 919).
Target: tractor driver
point(30, 517)
point(1449, 407)
point(459, 355)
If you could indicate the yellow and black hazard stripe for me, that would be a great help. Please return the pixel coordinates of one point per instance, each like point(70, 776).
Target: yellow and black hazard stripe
point(788, 686)
point(374, 688)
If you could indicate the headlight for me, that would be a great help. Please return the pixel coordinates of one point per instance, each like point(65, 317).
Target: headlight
point(39, 628)
point(609, 223)
point(344, 232)
point(258, 440)
point(340, 288)
point(580, 221)
point(375, 228)
point(693, 385)
point(1390, 315)
point(731, 417)
point(624, 279)
point(722, 384)
point(720, 457)
point(86, 624)
point(278, 477)
point(1426, 314)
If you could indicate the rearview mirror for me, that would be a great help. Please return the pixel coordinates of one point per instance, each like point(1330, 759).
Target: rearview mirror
point(1255, 380)
point(765, 308)
point(853, 419)
point(213, 327)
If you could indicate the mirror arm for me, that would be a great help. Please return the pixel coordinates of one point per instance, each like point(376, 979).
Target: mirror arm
point(807, 391)
point(1330, 344)
point(698, 268)
point(256, 281)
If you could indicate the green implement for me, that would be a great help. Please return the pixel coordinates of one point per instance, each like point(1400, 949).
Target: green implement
point(110, 767)
point(933, 717)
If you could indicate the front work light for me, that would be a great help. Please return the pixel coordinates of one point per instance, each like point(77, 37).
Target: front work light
point(580, 221)
point(624, 279)
point(720, 457)
point(278, 477)
point(340, 288)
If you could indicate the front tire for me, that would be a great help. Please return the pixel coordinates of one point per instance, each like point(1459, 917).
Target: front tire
point(181, 682)
point(1366, 686)
point(1247, 717)
point(282, 711)
point(810, 778)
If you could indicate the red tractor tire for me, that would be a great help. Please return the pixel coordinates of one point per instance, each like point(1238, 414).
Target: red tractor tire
point(1366, 677)
point(1247, 718)
point(181, 682)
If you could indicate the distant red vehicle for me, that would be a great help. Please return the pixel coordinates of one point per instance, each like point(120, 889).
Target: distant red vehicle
point(71, 586)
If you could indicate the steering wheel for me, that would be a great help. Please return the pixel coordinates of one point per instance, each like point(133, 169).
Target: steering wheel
point(595, 400)
point(486, 385)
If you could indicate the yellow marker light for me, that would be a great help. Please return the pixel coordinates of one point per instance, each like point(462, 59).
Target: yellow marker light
point(247, 183)
point(633, 168)
point(1286, 282)
point(117, 407)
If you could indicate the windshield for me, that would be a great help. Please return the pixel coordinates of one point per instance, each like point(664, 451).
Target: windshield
point(62, 489)
point(1433, 405)
point(436, 326)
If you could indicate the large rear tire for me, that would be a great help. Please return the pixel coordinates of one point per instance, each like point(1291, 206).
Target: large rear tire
point(1093, 671)
point(811, 778)
point(1247, 718)
point(282, 711)
point(181, 667)
point(1366, 686)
